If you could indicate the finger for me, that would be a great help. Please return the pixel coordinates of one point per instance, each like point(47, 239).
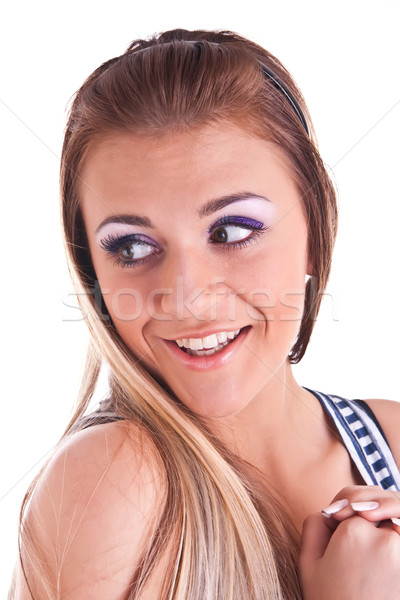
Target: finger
point(396, 525)
point(354, 492)
point(340, 507)
point(315, 537)
point(370, 502)
point(382, 508)
point(337, 508)
point(392, 526)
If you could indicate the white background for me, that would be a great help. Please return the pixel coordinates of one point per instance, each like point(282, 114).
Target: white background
point(345, 58)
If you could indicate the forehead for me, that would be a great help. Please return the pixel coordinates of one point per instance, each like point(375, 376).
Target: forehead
point(183, 169)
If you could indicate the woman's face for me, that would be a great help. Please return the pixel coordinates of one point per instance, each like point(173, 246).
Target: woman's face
point(195, 237)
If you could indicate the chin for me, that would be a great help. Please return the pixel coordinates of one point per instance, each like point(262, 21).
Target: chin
point(216, 402)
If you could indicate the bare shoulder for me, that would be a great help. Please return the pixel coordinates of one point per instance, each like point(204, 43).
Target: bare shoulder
point(94, 509)
point(388, 414)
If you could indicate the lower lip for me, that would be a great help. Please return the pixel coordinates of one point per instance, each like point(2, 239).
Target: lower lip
point(208, 363)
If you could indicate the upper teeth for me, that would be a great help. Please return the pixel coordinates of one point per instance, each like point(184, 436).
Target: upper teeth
point(211, 341)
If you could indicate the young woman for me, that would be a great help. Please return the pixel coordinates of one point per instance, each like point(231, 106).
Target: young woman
point(199, 224)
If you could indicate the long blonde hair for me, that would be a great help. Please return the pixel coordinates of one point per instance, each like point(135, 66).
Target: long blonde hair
point(231, 538)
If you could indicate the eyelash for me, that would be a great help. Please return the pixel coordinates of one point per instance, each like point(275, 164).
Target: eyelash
point(244, 223)
point(112, 244)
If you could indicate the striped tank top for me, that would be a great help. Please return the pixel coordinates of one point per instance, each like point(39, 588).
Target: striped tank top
point(364, 440)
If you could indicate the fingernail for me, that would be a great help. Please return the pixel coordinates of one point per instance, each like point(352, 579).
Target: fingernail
point(334, 508)
point(361, 506)
point(395, 521)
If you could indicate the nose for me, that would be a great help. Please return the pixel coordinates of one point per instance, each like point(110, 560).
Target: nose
point(191, 287)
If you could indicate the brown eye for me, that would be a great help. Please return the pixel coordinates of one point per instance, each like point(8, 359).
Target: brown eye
point(231, 234)
point(219, 235)
point(135, 250)
point(127, 251)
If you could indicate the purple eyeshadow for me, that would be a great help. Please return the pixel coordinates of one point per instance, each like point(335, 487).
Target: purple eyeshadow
point(236, 220)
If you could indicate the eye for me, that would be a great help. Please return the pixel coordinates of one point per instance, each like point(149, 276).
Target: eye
point(135, 250)
point(229, 234)
point(129, 250)
point(235, 231)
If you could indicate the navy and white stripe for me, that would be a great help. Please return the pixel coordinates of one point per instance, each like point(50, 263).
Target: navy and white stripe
point(364, 440)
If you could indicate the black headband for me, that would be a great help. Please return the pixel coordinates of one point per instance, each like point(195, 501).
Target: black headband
point(278, 83)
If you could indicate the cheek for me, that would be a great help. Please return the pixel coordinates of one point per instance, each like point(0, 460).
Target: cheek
point(125, 305)
point(276, 288)
point(124, 298)
point(128, 311)
point(285, 306)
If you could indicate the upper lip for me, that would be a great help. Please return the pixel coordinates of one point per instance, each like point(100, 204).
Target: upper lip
point(202, 334)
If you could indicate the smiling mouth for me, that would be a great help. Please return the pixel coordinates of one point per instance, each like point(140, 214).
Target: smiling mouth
point(209, 345)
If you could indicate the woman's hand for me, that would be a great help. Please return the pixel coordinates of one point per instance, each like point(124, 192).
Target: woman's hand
point(353, 553)
point(368, 501)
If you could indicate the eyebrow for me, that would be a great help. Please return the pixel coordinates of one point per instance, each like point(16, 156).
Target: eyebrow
point(209, 208)
point(218, 203)
point(126, 220)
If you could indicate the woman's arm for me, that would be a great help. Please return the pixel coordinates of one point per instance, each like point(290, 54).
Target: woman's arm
point(92, 513)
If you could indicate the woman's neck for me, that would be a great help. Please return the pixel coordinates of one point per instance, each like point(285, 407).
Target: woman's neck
point(280, 423)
